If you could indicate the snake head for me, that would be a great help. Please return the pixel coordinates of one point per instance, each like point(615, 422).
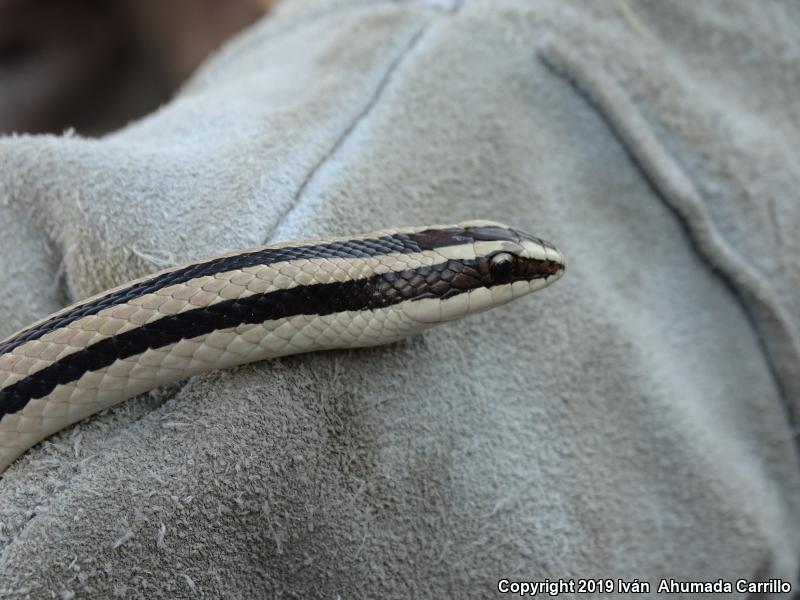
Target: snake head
point(482, 264)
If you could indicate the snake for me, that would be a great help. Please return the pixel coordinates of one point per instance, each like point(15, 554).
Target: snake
point(256, 304)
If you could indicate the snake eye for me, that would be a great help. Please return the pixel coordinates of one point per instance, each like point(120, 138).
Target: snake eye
point(501, 266)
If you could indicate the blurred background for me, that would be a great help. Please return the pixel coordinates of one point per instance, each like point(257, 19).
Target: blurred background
point(94, 65)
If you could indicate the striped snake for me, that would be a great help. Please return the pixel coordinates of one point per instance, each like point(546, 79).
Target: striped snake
point(252, 305)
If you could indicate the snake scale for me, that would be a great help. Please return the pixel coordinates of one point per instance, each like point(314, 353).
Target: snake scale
point(255, 304)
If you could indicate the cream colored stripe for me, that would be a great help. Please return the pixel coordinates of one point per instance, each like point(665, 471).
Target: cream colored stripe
point(97, 390)
point(289, 244)
point(38, 354)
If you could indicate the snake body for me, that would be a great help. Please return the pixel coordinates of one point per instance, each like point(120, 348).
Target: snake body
point(252, 305)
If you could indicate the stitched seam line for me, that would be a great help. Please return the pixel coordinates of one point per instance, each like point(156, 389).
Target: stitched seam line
point(348, 131)
point(679, 193)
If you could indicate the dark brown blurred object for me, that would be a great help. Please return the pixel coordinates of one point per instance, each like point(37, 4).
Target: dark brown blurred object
point(94, 65)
